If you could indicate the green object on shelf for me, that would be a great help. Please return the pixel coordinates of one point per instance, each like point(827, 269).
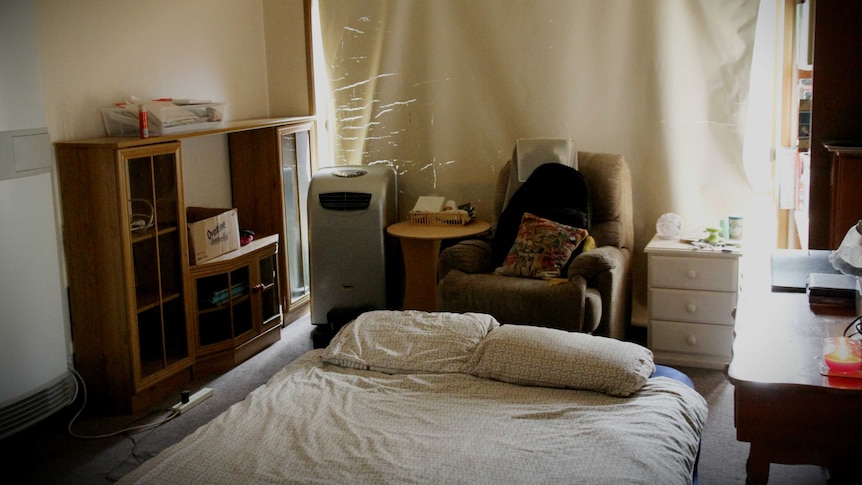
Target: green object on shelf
point(713, 235)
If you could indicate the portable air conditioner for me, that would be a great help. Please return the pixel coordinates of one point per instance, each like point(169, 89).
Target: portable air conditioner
point(352, 258)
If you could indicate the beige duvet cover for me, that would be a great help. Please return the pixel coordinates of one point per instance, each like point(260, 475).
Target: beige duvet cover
point(319, 423)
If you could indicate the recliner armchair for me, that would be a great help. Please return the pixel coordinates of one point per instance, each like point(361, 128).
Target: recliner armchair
point(595, 296)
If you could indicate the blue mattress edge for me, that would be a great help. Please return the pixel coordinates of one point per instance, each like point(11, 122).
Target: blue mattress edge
point(665, 371)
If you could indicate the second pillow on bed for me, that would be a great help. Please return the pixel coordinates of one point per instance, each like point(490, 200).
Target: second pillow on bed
point(537, 356)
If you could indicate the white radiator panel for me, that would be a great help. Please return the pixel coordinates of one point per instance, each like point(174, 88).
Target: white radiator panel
point(34, 377)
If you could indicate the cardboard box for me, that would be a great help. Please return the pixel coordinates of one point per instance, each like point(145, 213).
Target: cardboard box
point(212, 232)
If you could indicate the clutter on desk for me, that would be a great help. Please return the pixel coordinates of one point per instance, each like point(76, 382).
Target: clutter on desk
point(847, 259)
point(832, 289)
point(790, 268)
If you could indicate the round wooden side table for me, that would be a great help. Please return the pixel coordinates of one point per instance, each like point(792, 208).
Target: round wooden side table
point(420, 244)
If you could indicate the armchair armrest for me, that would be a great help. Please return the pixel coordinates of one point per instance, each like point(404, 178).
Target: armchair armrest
point(598, 260)
point(469, 256)
point(607, 270)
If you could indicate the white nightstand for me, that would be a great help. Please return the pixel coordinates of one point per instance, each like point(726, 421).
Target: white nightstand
point(692, 295)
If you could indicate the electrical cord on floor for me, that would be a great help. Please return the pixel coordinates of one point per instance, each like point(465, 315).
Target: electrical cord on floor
point(134, 457)
point(83, 387)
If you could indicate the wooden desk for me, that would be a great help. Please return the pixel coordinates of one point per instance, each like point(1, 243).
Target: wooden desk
point(783, 406)
point(421, 247)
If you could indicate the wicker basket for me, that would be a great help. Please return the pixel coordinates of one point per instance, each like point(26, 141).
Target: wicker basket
point(440, 218)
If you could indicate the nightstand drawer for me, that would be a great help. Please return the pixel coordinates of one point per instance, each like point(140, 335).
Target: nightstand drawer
point(692, 306)
point(688, 338)
point(693, 273)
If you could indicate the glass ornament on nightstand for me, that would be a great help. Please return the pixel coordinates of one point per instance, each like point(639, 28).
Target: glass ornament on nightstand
point(669, 226)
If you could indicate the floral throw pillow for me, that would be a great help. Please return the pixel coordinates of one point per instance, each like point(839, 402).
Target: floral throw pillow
point(541, 248)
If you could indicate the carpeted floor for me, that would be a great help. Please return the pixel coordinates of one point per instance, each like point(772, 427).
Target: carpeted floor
point(47, 453)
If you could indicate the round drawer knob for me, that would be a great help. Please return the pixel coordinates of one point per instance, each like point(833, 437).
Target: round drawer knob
point(691, 340)
point(691, 274)
point(691, 308)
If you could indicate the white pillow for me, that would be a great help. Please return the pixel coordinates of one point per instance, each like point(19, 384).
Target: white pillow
point(409, 341)
point(537, 356)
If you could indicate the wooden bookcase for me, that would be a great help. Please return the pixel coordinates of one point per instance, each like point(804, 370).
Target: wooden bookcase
point(133, 306)
point(126, 254)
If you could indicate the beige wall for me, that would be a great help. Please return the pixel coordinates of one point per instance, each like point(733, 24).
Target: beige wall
point(98, 52)
point(441, 90)
point(287, 70)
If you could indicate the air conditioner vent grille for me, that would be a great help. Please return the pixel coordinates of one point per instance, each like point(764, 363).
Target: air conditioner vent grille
point(345, 201)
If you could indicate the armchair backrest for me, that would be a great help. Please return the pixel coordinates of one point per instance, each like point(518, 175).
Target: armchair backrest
point(610, 181)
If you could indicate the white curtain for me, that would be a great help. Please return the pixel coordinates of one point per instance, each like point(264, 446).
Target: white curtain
point(441, 89)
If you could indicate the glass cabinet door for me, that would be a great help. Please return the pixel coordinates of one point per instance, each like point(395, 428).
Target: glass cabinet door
point(240, 302)
point(296, 174)
point(214, 311)
point(157, 260)
point(268, 287)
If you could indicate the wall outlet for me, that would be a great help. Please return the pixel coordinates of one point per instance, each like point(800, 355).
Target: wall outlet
point(194, 400)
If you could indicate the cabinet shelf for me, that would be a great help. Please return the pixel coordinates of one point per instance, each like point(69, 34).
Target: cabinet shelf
point(150, 298)
point(149, 234)
point(153, 367)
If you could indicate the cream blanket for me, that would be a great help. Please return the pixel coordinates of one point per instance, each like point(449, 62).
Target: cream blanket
point(320, 423)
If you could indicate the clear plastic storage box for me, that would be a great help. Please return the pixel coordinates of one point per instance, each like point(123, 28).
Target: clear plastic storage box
point(164, 118)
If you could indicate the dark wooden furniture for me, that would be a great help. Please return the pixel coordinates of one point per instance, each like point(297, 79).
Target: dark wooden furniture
point(846, 178)
point(836, 106)
point(783, 406)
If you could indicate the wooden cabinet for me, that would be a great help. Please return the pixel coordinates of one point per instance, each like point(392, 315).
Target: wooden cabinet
point(236, 305)
point(692, 295)
point(846, 182)
point(139, 331)
point(127, 262)
point(271, 171)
